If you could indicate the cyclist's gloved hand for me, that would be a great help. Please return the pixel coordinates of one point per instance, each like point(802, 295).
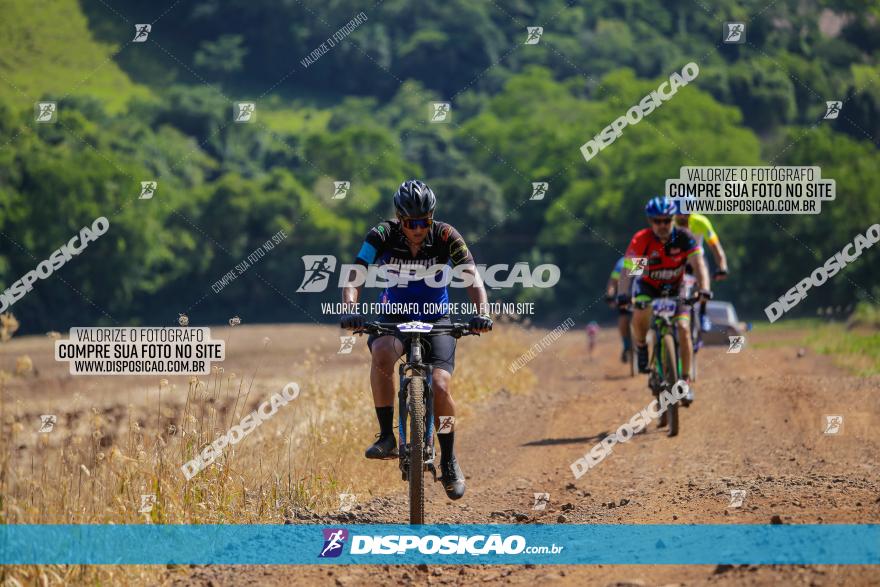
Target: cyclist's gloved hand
point(705, 294)
point(623, 301)
point(480, 323)
point(351, 321)
point(720, 274)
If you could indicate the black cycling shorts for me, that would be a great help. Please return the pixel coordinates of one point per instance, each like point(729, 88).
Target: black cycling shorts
point(676, 291)
point(439, 350)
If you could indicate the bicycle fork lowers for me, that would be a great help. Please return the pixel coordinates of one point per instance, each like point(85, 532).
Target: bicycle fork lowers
point(415, 398)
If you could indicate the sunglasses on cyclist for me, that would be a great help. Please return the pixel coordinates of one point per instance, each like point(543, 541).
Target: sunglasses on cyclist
point(412, 223)
point(661, 220)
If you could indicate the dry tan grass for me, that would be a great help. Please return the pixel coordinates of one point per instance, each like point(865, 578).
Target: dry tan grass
point(99, 460)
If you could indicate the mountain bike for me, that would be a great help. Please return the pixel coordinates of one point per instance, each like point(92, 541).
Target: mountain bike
point(416, 404)
point(665, 359)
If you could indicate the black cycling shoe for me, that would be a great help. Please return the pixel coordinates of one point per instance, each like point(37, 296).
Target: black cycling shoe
point(624, 356)
point(452, 479)
point(642, 356)
point(384, 448)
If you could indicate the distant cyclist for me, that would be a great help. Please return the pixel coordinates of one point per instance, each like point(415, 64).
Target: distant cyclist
point(624, 314)
point(415, 240)
point(592, 331)
point(668, 249)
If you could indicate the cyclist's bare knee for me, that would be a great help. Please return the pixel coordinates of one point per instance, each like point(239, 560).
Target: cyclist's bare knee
point(386, 350)
point(640, 324)
point(441, 380)
point(684, 329)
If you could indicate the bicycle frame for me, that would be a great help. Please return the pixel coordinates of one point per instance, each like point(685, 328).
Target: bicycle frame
point(662, 325)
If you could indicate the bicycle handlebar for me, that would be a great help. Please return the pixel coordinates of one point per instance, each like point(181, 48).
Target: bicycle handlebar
point(688, 301)
point(456, 330)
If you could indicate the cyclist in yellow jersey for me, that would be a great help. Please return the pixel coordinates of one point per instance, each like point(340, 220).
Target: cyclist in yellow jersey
point(702, 228)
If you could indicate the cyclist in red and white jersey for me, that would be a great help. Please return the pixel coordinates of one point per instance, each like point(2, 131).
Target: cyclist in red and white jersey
point(667, 250)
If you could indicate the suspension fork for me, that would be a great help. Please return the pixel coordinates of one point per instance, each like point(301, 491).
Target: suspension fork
point(402, 398)
point(429, 414)
point(414, 363)
point(402, 412)
point(413, 357)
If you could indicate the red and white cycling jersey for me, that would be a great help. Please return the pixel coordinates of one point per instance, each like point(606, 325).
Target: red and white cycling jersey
point(666, 261)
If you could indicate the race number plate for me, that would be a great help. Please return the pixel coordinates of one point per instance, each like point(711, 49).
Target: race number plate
point(415, 326)
point(664, 307)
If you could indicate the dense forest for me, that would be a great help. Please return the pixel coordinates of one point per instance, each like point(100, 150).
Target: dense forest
point(163, 110)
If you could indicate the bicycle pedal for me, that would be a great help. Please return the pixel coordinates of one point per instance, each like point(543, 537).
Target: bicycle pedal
point(433, 470)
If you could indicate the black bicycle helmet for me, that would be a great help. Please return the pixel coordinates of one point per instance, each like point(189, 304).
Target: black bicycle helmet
point(414, 199)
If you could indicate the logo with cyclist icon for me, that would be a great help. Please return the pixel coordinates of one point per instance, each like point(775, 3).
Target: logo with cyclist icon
point(346, 344)
point(319, 268)
point(833, 424)
point(334, 540)
point(340, 189)
point(638, 265)
point(47, 422)
point(736, 344)
point(534, 35)
point(539, 190)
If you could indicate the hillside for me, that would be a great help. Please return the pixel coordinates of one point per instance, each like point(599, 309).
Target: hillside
point(47, 51)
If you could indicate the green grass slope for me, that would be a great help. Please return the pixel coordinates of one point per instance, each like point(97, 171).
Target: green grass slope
point(47, 51)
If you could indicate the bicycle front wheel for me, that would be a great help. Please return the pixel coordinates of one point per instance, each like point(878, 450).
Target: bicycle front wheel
point(416, 391)
point(670, 376)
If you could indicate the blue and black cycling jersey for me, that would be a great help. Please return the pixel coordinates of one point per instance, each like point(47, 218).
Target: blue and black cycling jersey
point(386, 245)
point(618, 268)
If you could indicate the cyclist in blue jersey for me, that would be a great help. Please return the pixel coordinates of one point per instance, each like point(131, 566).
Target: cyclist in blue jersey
point(415, 241)
point(624, 314)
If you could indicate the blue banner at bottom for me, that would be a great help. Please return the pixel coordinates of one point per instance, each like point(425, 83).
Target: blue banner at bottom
point(566, 544)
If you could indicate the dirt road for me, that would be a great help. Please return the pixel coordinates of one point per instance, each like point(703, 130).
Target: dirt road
point(757, 425)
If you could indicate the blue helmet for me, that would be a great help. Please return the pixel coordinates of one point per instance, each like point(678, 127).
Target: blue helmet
point(680, 207)
point(660, 206)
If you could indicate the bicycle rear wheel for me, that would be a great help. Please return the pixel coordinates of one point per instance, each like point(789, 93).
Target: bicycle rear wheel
point(416, 391)
point(670, 376)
